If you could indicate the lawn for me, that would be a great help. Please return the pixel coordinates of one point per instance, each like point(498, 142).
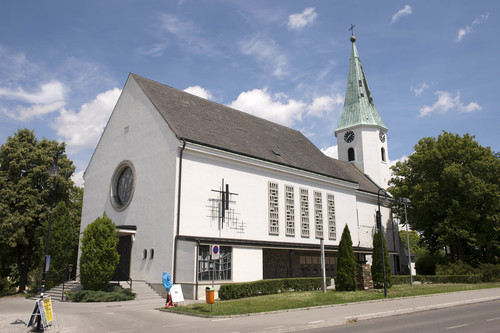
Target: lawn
point(294, 300)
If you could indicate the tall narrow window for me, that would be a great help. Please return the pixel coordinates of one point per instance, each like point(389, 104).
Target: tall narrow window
point(332, 229)
point(273, 209)
point(304, 212)
point(350, 154)
point(382, 151)
point(318, 214)
point(289, 211)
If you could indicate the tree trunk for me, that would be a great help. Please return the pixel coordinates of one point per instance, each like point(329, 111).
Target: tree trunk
point(23, 271)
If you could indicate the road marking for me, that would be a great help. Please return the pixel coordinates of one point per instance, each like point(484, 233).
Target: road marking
point(316, 322)
point(498, 318)
point(174, 325)
point(274, 327)
point(458, 326)
point(222, 319)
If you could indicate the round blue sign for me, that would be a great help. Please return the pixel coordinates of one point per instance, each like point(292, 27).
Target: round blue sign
point(215, 249)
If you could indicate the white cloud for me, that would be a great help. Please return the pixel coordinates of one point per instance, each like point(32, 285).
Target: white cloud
point(83, 129)
point(187, 33)
point(407, 10)
point(324, 104)
point(402, 159)
point(46, 93)
point(199, 91)
point(37, 110)
point(47, 98)
point(259, 102)
point(446, 101)
point(331, 151)
point(77, 178)
point(420, 89)
point(469, 28)
point(266, 52)
point(300, 21)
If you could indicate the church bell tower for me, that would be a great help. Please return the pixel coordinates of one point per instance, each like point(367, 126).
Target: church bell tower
point(361, 134)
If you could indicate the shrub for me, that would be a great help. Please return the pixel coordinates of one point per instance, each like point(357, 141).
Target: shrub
point(346, 264)
point(115, 294)
point(405, 279)
point(5, 286)
point(377, 271)
point(427, 263)
point(270, 286)
point(99, 256)
point(489, 272)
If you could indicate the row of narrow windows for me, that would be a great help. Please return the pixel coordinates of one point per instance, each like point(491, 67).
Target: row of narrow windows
point(351, 156)
point(304, 209)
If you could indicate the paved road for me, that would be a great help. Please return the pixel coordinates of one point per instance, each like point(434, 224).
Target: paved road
point(470, 318)
point(143, 316)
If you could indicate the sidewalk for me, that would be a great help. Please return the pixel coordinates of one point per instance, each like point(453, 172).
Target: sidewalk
point(108, 317)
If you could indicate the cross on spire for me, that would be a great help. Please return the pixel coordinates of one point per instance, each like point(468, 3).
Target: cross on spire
point(352, 29)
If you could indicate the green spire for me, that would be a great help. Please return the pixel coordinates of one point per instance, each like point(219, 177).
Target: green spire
point(358, 105)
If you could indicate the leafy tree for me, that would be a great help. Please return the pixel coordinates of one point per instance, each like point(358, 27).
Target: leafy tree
point(415, 247)
point(377, 271)
point(346, 264)
point(99, 256)
point(25, 196)
point(454, 186)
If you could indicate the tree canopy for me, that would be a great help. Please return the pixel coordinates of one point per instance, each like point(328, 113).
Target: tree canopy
point(25, 196)
point(454, 187)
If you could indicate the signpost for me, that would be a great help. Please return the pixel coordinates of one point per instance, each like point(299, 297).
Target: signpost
point(42, 313)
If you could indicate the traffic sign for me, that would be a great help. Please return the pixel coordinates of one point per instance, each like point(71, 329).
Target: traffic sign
point(215, 252)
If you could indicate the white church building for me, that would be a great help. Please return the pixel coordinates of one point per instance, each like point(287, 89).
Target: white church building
point(178, 173)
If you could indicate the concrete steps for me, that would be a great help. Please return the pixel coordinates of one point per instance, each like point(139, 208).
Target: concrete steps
point(143, 291)
point(57, 292)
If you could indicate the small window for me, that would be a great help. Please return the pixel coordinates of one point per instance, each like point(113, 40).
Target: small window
point(151, 253)
point(360, 83)
point(350, 154)
point(382, 151)
point(145, 254)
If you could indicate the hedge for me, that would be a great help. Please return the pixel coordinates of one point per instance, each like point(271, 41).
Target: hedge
point(270, 286)
point(405, 279)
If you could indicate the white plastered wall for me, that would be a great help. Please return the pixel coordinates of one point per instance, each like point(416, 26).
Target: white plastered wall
point(136, 132)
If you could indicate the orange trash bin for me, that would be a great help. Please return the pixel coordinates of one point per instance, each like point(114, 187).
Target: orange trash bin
point(209, 295)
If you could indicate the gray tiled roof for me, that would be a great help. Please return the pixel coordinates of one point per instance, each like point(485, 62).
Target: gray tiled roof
point(201, 121)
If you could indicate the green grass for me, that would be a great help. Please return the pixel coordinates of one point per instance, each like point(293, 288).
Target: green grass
point(294, 300)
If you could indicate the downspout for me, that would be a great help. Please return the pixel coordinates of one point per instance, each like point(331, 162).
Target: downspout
point(178, 208)
point(197, 266)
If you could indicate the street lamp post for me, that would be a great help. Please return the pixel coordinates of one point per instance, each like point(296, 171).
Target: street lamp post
point(379, 224)
point(53, 172)
point(407, 202)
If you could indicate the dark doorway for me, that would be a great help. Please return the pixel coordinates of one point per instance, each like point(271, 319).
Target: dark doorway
point(124, 248)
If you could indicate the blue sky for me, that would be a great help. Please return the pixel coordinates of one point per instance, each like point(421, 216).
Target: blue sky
point(431, 65)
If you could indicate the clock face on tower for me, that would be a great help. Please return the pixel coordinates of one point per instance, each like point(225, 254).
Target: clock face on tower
point(349, 136)
point(381, 136)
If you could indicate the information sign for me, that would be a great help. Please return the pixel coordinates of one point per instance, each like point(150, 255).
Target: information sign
point(176, 293)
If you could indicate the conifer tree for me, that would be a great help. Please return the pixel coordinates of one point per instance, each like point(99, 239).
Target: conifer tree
point(346, 264)
point(99, 256)
point(377, 272)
